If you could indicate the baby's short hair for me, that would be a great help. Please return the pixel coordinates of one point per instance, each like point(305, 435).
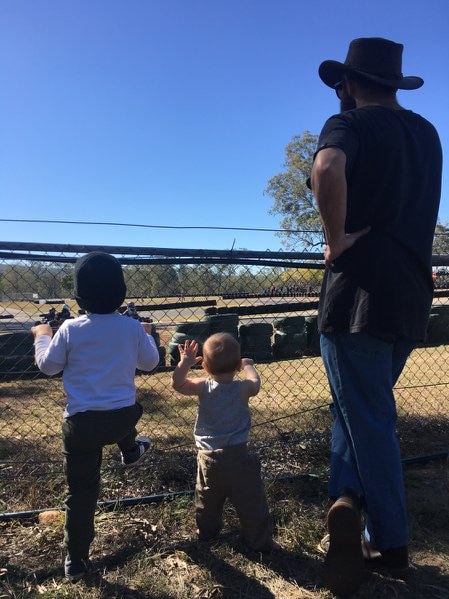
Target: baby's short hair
point(221, 353)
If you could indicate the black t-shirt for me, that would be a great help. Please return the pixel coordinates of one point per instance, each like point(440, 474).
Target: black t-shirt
point(383, 284)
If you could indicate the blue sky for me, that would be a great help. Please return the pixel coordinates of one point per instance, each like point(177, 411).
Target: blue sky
point(177, 112)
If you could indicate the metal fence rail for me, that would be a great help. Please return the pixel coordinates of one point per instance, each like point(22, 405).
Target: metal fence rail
point(268, 300)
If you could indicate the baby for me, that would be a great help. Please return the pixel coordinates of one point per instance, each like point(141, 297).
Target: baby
point(226, 469)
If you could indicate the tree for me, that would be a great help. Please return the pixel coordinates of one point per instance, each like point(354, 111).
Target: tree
point(151, 280)
point(293, 200)
point(200, 279)
point(305, 277)
point(47, 279)
point(441, 239)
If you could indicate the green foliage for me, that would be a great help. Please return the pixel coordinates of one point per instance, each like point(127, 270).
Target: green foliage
point(151, 280)
point(44, 278)
point(293, 200)
point(49, 280)
point(218, 279)
point(311, 276)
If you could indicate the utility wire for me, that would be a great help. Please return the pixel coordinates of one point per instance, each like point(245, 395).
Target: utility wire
point(179, 227)
point(172, 227)
point(75, 222)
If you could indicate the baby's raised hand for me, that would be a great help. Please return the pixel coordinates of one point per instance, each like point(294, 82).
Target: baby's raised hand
point(188, 352)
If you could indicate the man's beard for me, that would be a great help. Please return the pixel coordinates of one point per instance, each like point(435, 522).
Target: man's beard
point(347, 103)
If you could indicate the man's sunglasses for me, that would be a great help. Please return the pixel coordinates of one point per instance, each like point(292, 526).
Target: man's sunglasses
point(338, 88)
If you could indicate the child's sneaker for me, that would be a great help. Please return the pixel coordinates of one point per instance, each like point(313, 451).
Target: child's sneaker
point(75, 569)
point(134, 456)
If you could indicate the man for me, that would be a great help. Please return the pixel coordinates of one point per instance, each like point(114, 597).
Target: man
point(376, 178)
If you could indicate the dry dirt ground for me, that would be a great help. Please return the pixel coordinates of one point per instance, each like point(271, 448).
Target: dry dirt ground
point(150, 551)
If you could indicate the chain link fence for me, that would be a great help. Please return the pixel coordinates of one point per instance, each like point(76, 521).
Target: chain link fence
point(268, 300)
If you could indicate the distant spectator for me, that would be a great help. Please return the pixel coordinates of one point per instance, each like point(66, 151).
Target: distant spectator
point(64, 314)
point(131, 311)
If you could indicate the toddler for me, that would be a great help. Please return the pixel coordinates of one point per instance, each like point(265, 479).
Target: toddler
point(98, 353)
point(225, 467)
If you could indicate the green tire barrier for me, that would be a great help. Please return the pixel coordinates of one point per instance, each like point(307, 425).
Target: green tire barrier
point(195, 330)
point(192, 331)
point(199, 331)
point(173, 352)
point(17, 355)
point(294, 336)
point(19, 343)
point(256, 352)
point(182, 337)
point(289, 345)
point(290, 337)
point(162, 354)
point(162, 351)
point(255, 340)
point(290, 324)
point(313, 336)
point(442, 309)
point(438, 327)
point(256, 330)
point(223, 323)
point(173, 349)
point(17, 366)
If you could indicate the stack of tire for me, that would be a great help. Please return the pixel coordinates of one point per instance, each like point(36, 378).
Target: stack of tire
point(223, 323)
point(313, 336)
point(255, 341)
point(17, 355)
point(438, 325)
point(193, 331)
point(162, 351)
point(290, 337)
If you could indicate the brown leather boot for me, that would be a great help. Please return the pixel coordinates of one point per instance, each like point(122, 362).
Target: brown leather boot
point(344, 567)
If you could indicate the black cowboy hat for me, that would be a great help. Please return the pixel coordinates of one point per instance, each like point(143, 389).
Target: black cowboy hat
point(374, 58)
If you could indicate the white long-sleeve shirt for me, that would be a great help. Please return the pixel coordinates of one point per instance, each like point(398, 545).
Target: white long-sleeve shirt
point(99, 354)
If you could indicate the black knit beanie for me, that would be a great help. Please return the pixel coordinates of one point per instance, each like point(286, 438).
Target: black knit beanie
point(99, 283)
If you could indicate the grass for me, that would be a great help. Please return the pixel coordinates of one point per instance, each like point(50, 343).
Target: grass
point(293, 392)
point(290, 417)
point(151, 551)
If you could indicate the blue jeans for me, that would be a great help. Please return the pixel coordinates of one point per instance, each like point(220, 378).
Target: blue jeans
point(365, 455)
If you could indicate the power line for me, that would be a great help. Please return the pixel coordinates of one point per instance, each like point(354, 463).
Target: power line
point(78, 222)
point(173, 227)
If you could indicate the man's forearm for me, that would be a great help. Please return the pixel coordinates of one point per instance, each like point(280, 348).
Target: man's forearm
point(331, 202)
point(329, 189)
